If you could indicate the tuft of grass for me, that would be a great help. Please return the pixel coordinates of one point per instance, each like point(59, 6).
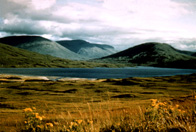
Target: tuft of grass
point(157, 116)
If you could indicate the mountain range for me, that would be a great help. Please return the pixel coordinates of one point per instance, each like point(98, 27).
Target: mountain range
point(11, 57)
point(40, 45)
point(67, 49)
point(154, 54)
point(146, 54)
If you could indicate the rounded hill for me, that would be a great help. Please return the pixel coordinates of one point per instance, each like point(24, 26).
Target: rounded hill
point(154, 54)
point(40, 45)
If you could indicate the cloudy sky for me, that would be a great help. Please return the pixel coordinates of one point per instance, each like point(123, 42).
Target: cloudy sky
point(121, 23)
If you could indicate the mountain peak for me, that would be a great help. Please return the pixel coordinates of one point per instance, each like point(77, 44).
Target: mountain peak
point(16, 40)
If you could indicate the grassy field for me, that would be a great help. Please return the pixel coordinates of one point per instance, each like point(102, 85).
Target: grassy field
point(104, 105)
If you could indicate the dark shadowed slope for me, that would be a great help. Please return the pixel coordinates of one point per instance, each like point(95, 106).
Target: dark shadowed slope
point(40, 45)
point(87, 49)
point(154, 54)
point(14, 57)
point(194, 54)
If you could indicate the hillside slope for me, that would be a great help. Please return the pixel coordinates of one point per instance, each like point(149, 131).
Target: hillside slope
point(87, 49)
point(154, 54)
point(11, 57)
point(40, 45)
point(14, 57)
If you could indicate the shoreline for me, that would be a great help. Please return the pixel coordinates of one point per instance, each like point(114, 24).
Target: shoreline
point(34, 78)
point(20, 77)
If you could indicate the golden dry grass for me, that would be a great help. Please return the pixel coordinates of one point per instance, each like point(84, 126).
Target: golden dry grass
point(112, 104)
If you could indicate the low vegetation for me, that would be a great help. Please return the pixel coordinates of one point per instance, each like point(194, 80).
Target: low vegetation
point(104, 105)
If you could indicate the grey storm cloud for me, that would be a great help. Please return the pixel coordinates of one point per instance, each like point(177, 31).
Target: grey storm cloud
point(9, 8)
point(27, 27)
point(22, 19)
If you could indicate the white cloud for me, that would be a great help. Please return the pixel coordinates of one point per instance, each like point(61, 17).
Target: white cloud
point(42, 4)
point(124, 22)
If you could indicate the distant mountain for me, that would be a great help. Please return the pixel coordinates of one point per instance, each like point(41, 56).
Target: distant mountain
point(186, 52)
point(15, 57)
point(154, 54)
point(87, 49)
point(40, 45)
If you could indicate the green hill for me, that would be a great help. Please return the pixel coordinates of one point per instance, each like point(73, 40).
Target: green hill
point(40, 45)
point(14, 57)
point(154, 54)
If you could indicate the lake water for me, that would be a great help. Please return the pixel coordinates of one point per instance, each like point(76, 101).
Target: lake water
point(98, 72)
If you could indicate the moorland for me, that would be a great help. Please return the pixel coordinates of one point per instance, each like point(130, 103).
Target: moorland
point(99, 105)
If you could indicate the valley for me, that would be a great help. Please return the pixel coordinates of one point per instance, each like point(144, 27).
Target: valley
point(88, 50)
point(97, 66)
point(41, 103)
